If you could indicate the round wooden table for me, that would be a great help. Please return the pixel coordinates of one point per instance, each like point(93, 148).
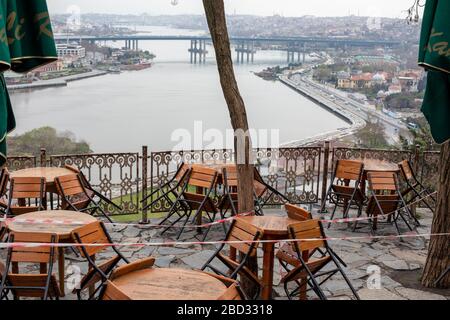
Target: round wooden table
point(274, 228)
point(170, 284)
point(59, 222)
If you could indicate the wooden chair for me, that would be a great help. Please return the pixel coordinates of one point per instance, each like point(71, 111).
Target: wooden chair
point(76, 197)
point(387, 200)
point(42, 285)
point(170, 190)
point(96, 233)
point(204, 180)
point(341, 192)
point(90, 190)
point(230, 201)
point(4, 179)
point(286, 255)
point(415, 189)
point(111, 292)
point(265, 192)
point(240, 231)
point(308, 267)
point(29, 194)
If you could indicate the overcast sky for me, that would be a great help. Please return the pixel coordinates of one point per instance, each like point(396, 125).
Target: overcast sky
point(384, 8)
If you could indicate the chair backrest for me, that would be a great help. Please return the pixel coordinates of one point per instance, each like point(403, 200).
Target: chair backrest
point(230, 177)
point(72, 168)
point(297, 213)
point(112, 292)
point(4, 179)
point(307, 230)
point(407, 171)
point(132, 267)
point(349, 170)
point(382, 182)
point(69, 185)
point(181, 172)
point(202, 177)
point(35, 254)
point(27, 188)
point(240, 232)
point(93, 233)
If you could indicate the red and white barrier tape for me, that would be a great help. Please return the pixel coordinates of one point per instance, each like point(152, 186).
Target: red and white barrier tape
point(171, 244)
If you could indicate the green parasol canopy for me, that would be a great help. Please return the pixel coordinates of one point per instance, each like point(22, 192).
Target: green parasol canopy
point(26, 42)
point(435, 57)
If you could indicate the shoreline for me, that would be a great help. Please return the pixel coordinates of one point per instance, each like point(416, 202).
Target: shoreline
point(59, 82)
point(356, 123)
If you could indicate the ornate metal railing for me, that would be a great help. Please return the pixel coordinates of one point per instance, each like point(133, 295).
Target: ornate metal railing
point(294, 172)
point(116, 175)
point(19, 163)
point(302, 174)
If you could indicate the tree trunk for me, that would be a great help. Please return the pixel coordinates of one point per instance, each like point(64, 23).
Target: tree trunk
point(439, 251)
point(215, 15)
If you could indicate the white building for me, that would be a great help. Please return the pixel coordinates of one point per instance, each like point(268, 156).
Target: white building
point(73, 50)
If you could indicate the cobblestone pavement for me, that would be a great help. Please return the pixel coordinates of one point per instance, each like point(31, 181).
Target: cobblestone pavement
point(399, 262)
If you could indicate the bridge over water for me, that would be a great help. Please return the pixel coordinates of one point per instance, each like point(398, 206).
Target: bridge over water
point(245, 46)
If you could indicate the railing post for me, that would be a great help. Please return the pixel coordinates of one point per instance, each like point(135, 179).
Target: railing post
point(43, 158)
point(326, 159)
point(144, 183)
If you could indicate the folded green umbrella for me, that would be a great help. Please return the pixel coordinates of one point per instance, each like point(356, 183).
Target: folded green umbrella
point(26, 42)
point(435, 57)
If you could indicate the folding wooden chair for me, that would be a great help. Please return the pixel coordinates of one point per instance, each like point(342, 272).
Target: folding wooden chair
point(4, 179)
point(266, 192)
point(96, 233)
point(170, 190)
point(90, 189)
point(76, 197)
point(204, 180)
point(240, 232)
point(42, 285)
point(415, 189)
point(230, 199)
point(28, 194)
point(311, 259)
point(341, 193)
point(387, 200)
point(286, 254)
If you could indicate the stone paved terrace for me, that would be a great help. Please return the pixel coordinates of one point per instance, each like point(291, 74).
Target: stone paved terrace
point(401, 263)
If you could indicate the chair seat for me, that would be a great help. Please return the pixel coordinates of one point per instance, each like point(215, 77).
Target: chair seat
point(314, 265)
point(388, 203)
point(33, 280)
point(194, 200)
point(3, 204)
point(345, 193)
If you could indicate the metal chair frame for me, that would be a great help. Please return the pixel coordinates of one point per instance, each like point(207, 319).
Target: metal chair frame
point(6, 287)
point(104, 274)
point(343, 199)
point(190, 204)
point(92, 207)
point(39, 202)
point(315, 285)
point(415, 187)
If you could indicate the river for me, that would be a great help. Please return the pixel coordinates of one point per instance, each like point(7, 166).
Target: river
point(122, 112)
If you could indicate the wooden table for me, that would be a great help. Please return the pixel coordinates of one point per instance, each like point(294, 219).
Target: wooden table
point(72, 220)
point(49, 173)
point(170, 284)
point(274, 228)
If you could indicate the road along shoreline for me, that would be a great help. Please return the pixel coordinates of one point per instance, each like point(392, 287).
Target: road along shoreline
point(356, 123)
